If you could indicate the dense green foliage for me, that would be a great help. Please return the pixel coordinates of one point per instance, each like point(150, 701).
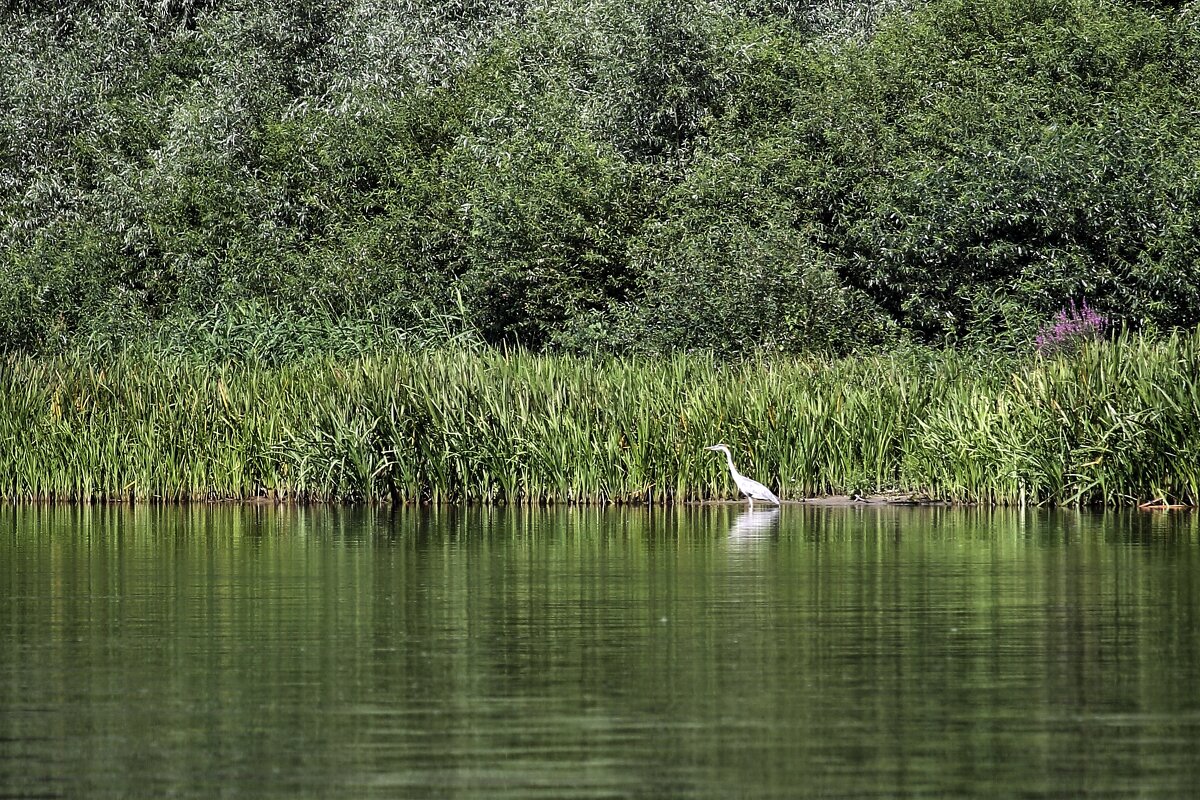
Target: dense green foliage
point(1112, 423)
point(595, 174)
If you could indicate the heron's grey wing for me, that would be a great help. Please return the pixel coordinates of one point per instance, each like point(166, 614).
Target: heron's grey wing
point(769, 495)
point(757, 490)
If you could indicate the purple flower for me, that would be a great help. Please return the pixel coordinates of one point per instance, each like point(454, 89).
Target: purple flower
point(1071, 327)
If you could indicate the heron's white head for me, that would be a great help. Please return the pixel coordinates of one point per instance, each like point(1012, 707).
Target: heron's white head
point(718, 448)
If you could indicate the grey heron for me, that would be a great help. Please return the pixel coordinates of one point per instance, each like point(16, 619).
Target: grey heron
point(749, 487)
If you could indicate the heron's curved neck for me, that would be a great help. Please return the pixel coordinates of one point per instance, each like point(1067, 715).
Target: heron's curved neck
point(732, 468)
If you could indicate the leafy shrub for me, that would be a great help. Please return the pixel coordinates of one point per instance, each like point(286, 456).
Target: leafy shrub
point(600, 174)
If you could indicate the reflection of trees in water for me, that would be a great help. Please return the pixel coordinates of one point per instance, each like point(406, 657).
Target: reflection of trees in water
point(603, 652)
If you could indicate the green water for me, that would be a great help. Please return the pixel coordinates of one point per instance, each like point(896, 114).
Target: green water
point(626, 653)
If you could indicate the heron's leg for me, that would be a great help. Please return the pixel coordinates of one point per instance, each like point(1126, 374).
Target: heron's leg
point(751, 502)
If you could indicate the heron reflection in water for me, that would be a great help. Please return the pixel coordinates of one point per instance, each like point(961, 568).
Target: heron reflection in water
point(747, 486)
point(755, 525)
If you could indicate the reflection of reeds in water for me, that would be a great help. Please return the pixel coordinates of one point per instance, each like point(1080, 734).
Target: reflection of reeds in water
point(1112, 423)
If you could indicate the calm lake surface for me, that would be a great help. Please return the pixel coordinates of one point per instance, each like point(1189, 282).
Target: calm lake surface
point(702, 652)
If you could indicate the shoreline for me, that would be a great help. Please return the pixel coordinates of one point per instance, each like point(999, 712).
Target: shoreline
point(881, 500)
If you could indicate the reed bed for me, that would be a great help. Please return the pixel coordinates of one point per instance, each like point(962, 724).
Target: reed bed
point(1114, 423)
